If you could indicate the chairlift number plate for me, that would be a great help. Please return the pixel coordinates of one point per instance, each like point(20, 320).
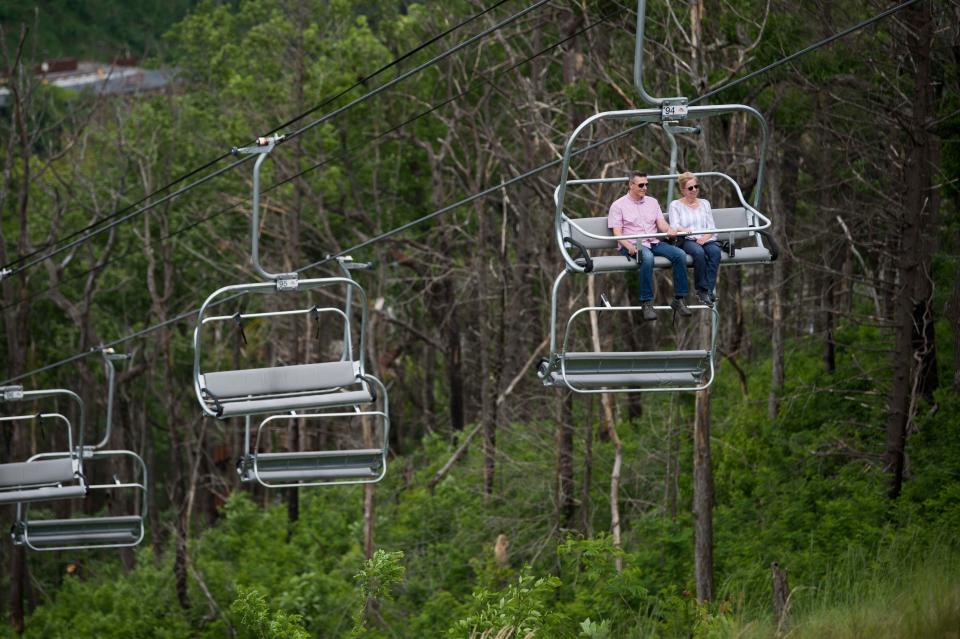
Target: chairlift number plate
point(287, 284)
point(673, 111)
point(12, 392)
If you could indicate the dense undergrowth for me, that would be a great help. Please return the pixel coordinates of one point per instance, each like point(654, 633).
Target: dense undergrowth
point(806, 491)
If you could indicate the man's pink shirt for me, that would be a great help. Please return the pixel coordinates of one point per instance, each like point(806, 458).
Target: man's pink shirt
point(636, 218)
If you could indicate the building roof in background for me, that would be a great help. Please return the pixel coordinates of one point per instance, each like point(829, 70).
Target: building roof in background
point(119, 77)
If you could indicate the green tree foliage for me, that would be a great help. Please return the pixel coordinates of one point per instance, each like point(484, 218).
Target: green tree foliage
point(256, 620)
point(379, 574)
point(804, 490)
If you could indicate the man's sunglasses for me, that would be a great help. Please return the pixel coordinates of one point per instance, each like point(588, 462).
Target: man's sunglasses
point(642, 185)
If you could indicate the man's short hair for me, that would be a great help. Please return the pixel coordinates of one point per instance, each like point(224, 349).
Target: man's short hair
point(637, 174)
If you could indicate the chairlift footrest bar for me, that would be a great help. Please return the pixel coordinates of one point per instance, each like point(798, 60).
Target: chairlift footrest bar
point(49, 534)
point(314, 466)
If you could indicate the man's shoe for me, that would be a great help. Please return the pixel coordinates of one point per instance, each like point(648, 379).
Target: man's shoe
point(705, 298)
point(713, 296)
point(680, 307)
point(647, 312)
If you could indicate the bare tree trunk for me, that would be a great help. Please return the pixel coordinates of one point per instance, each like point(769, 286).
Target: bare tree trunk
point(777, 292)
point(615, 493)
point(369, 492)
point(703, 498)
point(585, 519)
point(913, 299)
point(781, 597)
point(566, 504)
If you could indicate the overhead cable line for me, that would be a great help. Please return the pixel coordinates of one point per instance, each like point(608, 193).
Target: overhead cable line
point(467, 200)
point(11, 268)
point(343, 155)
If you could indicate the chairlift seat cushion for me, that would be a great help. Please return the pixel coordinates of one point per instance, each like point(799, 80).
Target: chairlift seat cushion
point(277, 380)
point(124, 529)
point(35, 473)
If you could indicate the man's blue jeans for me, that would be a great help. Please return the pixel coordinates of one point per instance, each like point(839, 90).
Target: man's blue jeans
point(706, 261)
point(678, 261)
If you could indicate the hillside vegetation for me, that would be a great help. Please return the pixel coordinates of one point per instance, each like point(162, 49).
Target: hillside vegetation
point(827, 451)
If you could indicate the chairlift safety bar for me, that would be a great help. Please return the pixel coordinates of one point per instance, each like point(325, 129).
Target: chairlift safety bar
point(16, 393)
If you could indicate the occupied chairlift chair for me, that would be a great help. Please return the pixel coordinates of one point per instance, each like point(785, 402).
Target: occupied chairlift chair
point(742, 229)
point(80, 533)
point(286, 390)
point(40, 478)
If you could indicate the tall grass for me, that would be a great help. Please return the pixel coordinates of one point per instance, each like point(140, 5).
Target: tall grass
point(909, 590)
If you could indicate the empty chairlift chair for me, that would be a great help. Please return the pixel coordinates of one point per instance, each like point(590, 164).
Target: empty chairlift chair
point(311, 390)
point(38, 531)
point(40, 478)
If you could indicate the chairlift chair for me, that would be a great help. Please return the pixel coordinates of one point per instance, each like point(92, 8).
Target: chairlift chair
point(89, 532)
point(627, 371)
point(741, 229)
point(313, 391)
point(287, 387)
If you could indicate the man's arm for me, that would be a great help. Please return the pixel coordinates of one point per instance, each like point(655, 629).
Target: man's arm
point(627, 244)
point(664, 227)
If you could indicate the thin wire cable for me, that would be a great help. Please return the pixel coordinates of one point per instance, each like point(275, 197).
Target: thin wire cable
point(343, 155)
point(447, 208)
point(7, 270)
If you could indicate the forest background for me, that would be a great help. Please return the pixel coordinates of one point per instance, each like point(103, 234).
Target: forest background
point(827, 452)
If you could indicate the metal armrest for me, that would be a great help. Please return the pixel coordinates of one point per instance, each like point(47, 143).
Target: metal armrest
point(588, 262)
point(774, 249)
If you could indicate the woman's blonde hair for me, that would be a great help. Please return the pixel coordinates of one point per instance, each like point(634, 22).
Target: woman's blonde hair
point(685, 177)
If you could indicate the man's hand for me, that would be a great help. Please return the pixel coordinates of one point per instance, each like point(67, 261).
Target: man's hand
point(631, 248)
